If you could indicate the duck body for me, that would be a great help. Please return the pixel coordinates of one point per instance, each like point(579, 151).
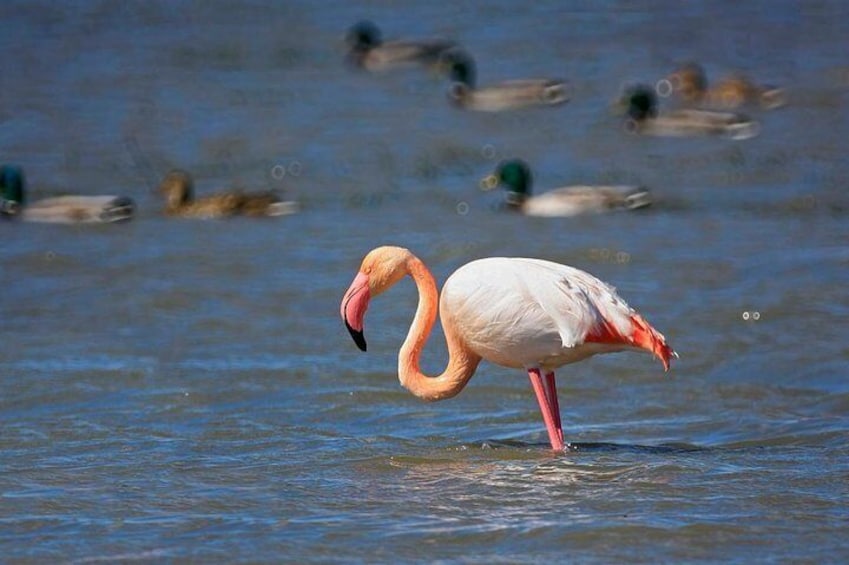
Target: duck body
point(508, 95)
point(693, 123)
point(178, 189)
point(643, 118)
point(368, 51)
point(577, 200)
point(515, 176)
point(80, 210)
point(59, 209)
point(689, 82)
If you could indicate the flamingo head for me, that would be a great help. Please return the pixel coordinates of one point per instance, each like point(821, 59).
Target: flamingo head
point(380, 269)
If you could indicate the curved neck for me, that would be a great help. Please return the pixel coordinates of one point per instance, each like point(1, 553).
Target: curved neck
point(462, 362)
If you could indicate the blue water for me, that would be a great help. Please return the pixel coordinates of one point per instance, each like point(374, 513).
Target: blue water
point(179, 390)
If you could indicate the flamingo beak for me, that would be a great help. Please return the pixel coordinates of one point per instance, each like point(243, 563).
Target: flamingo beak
point(354, 306)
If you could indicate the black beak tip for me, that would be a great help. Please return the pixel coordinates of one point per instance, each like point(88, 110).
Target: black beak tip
point(358, 336)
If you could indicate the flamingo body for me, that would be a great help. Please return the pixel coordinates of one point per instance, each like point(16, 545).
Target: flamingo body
point(526, 313)
point(515, 312)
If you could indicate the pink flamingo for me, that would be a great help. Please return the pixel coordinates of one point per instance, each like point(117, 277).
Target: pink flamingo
point(515, 312)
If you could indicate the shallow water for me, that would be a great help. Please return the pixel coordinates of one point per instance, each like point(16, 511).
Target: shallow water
point(183, 390)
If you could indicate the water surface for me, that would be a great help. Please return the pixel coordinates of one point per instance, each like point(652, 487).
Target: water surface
point(182, 390)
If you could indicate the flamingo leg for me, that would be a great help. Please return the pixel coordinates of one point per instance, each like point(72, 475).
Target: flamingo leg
point(551, 394)
point(555, 435)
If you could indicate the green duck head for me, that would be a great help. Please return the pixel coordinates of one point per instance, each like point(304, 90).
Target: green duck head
point(642, 103)
point(460, 67)
point(12, 191)
point(363, 35)
point(516, 178)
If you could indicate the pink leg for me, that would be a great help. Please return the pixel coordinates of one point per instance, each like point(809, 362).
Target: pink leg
point(555, 435)
point(551, 394)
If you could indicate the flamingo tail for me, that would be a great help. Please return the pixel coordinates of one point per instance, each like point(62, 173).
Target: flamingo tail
point(651, 340)
point(643, 335)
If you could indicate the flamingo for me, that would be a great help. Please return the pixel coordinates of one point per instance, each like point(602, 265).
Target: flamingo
point(515, 312)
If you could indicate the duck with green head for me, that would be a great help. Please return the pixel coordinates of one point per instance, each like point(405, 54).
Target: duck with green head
point(58, 209)
point(507, 95)
point(689, 83)
point(367, 50)
point(178, 189)
point(643, 118)
point(516, 178)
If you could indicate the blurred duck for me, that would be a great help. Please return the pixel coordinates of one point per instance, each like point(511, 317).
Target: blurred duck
point(178, 189)
point(59, 209)
point(643, 118)
point(508, 95)
point(367, 50)
point(690, 83)
point(515, 176)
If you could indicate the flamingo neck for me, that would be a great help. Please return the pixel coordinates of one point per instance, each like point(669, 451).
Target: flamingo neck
point(462, 362)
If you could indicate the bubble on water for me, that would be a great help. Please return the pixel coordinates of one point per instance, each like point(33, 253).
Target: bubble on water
point(462, 208)
point(278, 172)
point(295, 168)
point(488, 151)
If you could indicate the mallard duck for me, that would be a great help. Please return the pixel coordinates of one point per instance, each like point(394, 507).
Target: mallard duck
point(690, 83)
point(59, 209)
point(515, 176)
point(178, 189)
point(367, 50)
point(643, 118)
point(508, 95)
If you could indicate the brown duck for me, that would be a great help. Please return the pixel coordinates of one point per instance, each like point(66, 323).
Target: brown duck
point(178, 189)
point(690, 83)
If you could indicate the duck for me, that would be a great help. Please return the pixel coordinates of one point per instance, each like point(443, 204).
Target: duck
point(515, 176)
point(508, 95)
point(368, 51)
point(58, 209)
point(643, 118)
point(178, 188)
point(689, 81)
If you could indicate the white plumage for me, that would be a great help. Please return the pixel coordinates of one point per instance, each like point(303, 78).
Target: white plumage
point(532, 313)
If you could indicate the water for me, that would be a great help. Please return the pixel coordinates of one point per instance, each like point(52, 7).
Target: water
point(184, 390)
